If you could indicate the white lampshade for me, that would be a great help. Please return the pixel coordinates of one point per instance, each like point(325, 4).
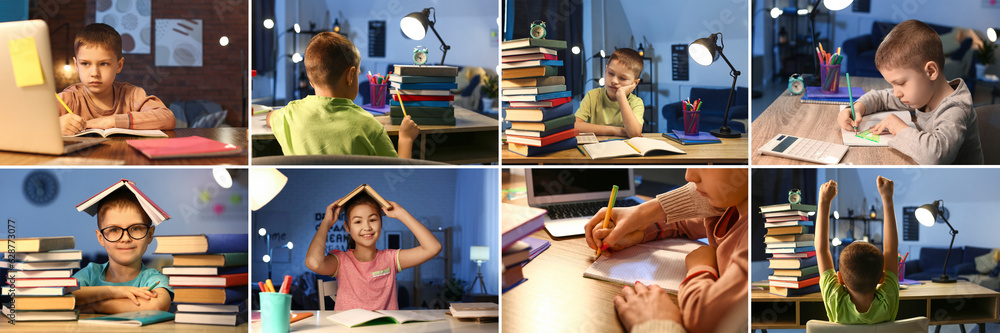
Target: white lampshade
point(267, 183)
point(414, 25)
point(703, 51)
point(836, 5)
point(479, 253)
point(222, 177)
point(991, 33)
point(927, 214)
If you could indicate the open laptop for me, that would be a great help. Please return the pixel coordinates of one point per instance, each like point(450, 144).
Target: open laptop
point(573, 196)
point(29, 118)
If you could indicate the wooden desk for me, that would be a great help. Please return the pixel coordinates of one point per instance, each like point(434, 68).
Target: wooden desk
point(943, 303)
point(730, 151)
point(72, 326)
point(787, 115)
point(556, 297)
point(116, 151)
point(319, 323)
point(473, 139)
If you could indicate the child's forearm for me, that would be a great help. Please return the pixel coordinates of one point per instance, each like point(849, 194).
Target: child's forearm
point(119, 305)
point(632, 126)
point(586, 127)
point(890, 249)
point(405, 148)
point(316, 254)
point(427, 241)
point(88, 295)
point(821, 240)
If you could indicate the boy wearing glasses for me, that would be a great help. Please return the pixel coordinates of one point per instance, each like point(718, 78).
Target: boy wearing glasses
point(123, 283)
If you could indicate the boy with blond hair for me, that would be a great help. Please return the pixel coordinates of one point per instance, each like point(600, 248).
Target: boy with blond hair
point(329, 122)
point(612, 110)
point(911, 59)
point(100, 102)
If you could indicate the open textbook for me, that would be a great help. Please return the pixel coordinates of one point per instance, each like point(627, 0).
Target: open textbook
point(865, 138)
point(362, 317)
point(123, 131)
point(659, 262)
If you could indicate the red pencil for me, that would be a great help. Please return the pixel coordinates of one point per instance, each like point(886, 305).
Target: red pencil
point(286, 284)
point(262, 288)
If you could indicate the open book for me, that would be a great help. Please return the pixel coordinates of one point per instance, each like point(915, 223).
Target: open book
point(359, 317)
point(368, 190)
point(659, 262)
point(124, 131)
point(155, 213)
point(630, 147)
point(867, 139)
point(134, 318)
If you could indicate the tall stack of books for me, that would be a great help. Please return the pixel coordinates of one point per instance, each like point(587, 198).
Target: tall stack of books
point(40, 282)
point(790, 243)
point(536, 101)
point(518, 249)
point(209, 277)
point(425, 92)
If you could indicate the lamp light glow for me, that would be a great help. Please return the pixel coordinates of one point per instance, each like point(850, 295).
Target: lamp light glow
point(268, 24)
point(836, 5)
point(268, 182)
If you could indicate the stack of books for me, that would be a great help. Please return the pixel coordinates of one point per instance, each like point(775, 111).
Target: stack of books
point(209, 277)
point(536, 101)
point(519, 249)
point(40, 282)
point(790, 243)
point(425, 92)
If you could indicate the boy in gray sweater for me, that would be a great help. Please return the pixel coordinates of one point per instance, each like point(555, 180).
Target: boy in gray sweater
point(911, 58)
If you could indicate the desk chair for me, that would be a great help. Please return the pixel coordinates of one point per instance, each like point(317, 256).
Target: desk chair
point(988, 118)
point(328, 288)
point(911, 325)
point(339, 160)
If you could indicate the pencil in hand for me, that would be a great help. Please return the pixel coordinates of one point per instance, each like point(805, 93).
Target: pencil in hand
point(607, 216)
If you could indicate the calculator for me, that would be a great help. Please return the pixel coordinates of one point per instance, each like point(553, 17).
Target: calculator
point(802, 149)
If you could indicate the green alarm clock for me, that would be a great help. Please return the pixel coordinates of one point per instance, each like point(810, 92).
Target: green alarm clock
point(538, 29)
point(795, 196)
point(795, 84)
point(419, 55)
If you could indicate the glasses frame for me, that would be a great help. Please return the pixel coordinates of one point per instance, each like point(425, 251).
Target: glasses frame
point(126, 231)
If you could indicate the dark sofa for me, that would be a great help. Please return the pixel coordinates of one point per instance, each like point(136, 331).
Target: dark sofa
point(928, 266)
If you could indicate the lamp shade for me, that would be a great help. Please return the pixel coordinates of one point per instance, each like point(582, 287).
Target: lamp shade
point(927, 214)
point(268, 182)
point(414, 25)
point(704, 50)
point(991, 33)
point(479, 253)
point(836, 5)
point(222, 177)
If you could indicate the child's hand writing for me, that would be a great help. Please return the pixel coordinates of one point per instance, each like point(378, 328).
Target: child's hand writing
point(626, 223)
point(132, 293)
point(827, 192)
point(844, 117)
point(396, 211)
point(600, 234)
point(71, 124)
point(885, 186)
point(891, 123)
point(702, 256)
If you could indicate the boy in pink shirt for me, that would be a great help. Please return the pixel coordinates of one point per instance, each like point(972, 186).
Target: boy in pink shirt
point(367, 275)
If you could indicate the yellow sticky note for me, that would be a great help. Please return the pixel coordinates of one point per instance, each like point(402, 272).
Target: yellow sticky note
point(24, 58)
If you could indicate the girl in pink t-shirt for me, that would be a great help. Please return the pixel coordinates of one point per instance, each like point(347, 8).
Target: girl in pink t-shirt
point(367, 275)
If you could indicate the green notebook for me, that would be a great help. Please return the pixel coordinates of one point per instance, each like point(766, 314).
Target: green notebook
point(134, 318)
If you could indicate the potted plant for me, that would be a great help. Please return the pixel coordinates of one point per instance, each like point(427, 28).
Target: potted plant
point(985, 56)
point(453, 290)
point(490, 91)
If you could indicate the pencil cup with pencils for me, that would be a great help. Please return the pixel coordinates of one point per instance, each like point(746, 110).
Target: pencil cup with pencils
point(378, 94)
point(691, 119)
point(275, 312)
point(830, 78)
point(902, 271)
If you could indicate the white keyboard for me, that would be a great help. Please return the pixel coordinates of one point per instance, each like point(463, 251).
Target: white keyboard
point(808, 150)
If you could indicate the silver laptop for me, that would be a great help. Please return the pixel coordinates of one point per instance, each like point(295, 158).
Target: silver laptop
point(29, 120)
point(573, 196)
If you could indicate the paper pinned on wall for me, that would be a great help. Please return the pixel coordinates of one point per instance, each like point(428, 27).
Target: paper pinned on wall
point(24, 59)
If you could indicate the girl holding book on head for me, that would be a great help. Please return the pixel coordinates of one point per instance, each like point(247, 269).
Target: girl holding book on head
point(367, 275)
point(713, 205)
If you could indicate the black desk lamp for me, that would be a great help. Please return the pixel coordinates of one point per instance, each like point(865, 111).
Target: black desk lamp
point(927, 215)
point(704, 51)
point(415, 25)
point(832, 5)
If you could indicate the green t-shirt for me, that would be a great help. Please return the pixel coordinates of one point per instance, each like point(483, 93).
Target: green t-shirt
point(318, 125)
point(93, 276)
point(596, 108)
point(840, 309)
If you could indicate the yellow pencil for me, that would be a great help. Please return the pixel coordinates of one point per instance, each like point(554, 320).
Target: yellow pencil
point(270, 286)
point(63, 103)
point(401, 103)
point(607, 215)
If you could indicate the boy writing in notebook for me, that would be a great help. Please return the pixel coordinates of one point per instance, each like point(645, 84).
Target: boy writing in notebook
point(123, 283)
point(612, 110)
point(713, 205)
point(100, 102)
point(329, 122)
point(911, 58)
point(853, 295)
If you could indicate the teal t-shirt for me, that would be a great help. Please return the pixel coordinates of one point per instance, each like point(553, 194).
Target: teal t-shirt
point(840, 309)
point(93, 276)
point(318, 125)
point(596, 108)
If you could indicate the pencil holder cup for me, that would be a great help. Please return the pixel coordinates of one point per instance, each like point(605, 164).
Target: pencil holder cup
point(275, 312)
point(902, 271)
point(691, 119)
point(829, 78)
point(378, 94)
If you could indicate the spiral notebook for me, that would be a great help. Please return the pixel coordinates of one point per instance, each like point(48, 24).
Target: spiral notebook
point(660, 262)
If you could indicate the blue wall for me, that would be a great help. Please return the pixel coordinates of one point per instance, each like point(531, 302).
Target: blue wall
point(176, 191)
point(464, 200)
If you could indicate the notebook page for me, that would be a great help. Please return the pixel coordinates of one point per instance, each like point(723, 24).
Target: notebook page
point(850, 139)
point(403, 316)
point(660, 262)
point(645, 145)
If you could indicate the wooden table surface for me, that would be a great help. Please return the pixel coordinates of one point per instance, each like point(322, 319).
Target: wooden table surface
point(319, 323)
point(787, 115)
point(116, 151)
point(465, 121)
point(730, 151)
point(73, 326)
point(556, 297)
